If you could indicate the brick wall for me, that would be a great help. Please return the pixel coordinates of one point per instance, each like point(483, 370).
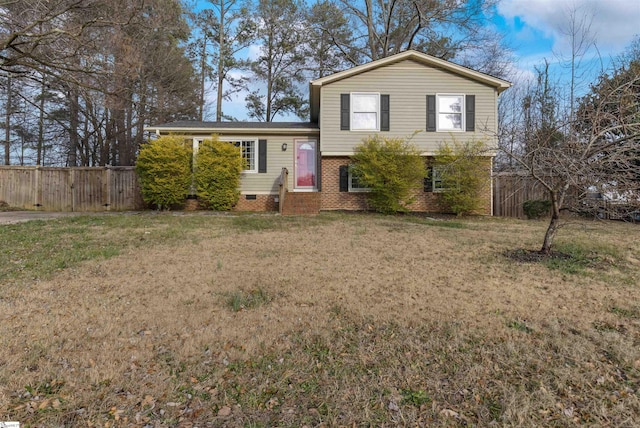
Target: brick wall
point(333, 199)
point(261, 203)
point(301, 203)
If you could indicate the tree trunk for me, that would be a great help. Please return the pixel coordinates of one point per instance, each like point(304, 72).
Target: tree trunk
point(221, 53)
point(549, 236)
point(7, 124)
point(73, 127)
point(557, 199)
point(41, 123)
point(203, 64)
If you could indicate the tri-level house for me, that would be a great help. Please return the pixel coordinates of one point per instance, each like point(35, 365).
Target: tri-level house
point(302, 167)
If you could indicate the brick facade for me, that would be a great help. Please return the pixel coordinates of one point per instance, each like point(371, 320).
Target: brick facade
point(296, 203)
point(260, 203)
point(333, 199)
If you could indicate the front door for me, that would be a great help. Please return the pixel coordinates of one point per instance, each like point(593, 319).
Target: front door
point(305, 171)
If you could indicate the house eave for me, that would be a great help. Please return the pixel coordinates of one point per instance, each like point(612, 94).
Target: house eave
point(256, 131)
point(496, 82)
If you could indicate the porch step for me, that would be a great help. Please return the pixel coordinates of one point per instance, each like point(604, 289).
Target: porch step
point(296, 203)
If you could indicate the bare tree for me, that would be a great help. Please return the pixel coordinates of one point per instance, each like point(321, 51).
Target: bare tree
point(601, 156)
point(447, 29)
point(581, 38)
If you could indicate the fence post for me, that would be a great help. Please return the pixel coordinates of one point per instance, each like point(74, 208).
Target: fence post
point(107, 181)
point(38, 190)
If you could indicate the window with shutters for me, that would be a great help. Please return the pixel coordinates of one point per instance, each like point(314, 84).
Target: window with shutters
point(450, 112)
point(365, 111)
point(249, 151)
point(354, 183)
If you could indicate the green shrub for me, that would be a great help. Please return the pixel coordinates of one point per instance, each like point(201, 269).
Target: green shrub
point(392, 168)
point(217, 174)
point(536, 208)
point(164, 168)
point(463, 172)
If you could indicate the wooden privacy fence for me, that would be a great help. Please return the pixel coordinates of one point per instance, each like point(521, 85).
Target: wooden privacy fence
point(70, 189)
point(511, 190)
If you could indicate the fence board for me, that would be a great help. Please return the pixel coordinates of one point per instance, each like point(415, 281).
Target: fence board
point(17, 187)
point(511, 190)
point(122, 180)
point(70, 189)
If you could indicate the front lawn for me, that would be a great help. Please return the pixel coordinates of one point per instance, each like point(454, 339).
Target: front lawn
point(333, 320)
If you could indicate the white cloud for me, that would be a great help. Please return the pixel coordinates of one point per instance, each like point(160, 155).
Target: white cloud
point(615, 22)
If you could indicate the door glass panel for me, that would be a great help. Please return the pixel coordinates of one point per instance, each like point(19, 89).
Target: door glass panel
point(306, 164)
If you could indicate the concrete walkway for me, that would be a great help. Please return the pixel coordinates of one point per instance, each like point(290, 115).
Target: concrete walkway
point(12, 217)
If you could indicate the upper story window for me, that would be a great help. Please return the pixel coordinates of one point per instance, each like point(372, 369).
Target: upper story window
point(365, 111)
point(450, 112)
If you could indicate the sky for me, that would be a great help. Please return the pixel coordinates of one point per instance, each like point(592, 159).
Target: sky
point(536, 30)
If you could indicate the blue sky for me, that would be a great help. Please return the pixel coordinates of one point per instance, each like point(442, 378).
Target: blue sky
point(535, 31)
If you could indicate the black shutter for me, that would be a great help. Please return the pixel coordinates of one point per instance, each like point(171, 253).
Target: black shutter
point(344, 178)
point(431, 113)
point(262, 155)
point(470, 107)
point(344, 112)
point(428, 180)
point(384, 112)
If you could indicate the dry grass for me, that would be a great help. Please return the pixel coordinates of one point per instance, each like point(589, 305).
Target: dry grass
point(332, 320)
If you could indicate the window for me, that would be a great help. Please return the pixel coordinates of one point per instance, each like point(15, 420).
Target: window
point(248, 149)
point(365, 111)
point(436, 179)
point(450, 112)
point(354, 183)
point(349, 181)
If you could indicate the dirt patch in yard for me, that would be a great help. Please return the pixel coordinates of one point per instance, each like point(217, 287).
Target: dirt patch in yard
point(362, 319)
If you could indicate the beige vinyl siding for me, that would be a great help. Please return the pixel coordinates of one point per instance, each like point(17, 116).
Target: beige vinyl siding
point(266, 183)
point(408, 83)
point(257, 183)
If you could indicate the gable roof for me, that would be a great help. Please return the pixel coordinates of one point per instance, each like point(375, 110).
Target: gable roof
point(422, 58)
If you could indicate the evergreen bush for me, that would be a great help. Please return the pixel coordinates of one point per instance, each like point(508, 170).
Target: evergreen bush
point(392, 168)
point(463, 172)
point(536, 208)
point(217, 174)
point(164, 168)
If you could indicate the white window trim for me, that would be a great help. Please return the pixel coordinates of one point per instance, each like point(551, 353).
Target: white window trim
point(356, 189)
point(199, 140)
point(351, 112)
point(435, 189)
point(462, 112)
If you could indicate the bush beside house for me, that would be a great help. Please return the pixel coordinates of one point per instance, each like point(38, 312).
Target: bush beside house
point(217, 174)
point(164, 168)
point(462, 173)
point(391, 168)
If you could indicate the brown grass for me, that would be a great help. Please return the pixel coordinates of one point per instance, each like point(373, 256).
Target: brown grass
point(359, 320)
